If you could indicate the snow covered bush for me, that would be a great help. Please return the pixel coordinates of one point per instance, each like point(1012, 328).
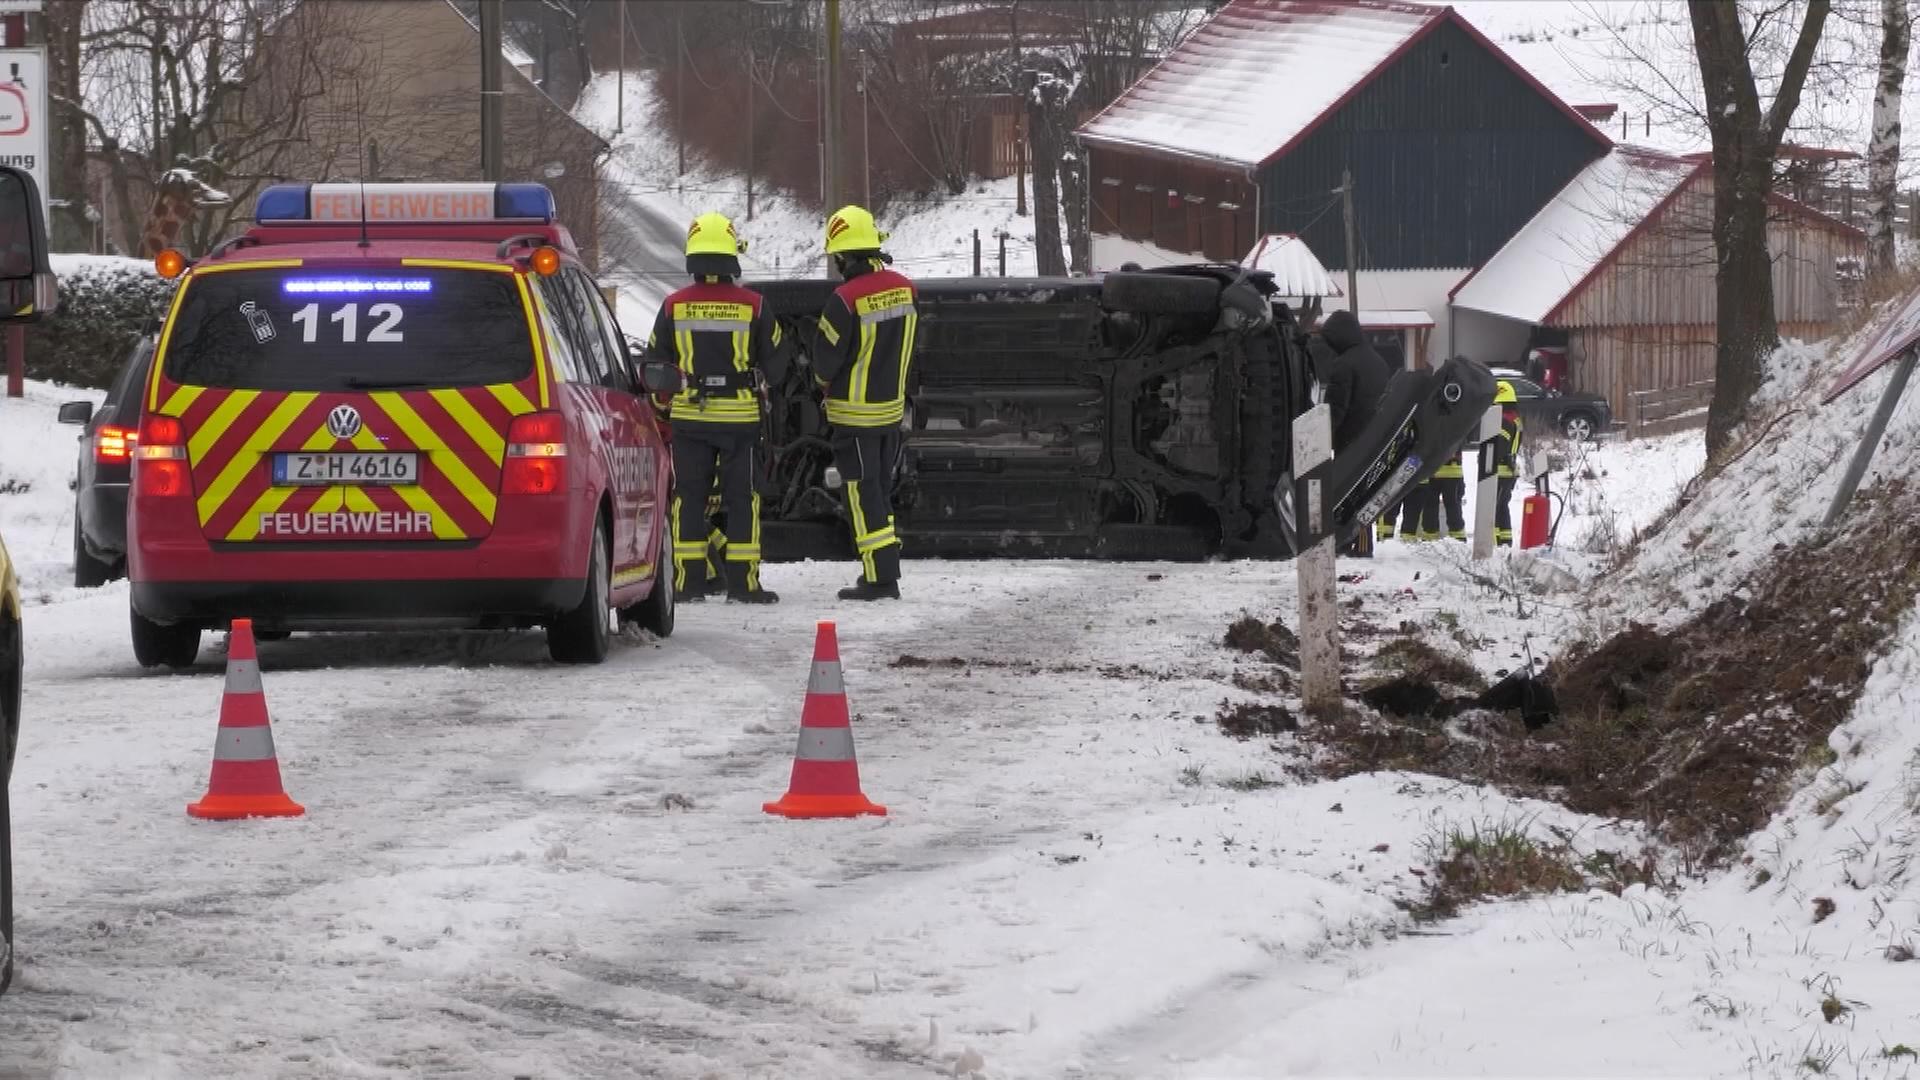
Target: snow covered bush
point(104, 302)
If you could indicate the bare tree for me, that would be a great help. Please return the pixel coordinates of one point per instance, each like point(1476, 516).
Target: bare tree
point(1883, 147)
point(67, 173)
point(1746, 142)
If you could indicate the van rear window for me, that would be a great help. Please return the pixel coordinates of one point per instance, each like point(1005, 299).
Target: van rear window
point(308, 328)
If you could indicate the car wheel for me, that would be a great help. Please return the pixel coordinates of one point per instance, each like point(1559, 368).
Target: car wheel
point(88, 572)
point(655, 613)
point(155, 644)
point(1160, 294)
point(1578, 426)
point(582, 635)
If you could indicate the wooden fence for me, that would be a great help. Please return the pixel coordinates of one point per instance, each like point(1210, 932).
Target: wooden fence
point(1849, 204)
point(1662, 412)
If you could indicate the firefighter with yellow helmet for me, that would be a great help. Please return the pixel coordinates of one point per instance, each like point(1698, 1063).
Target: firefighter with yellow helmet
point(725, 342)
point(1506, 457)
point(861, 360)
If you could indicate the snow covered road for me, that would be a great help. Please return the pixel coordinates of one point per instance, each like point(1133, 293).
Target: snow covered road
point(510, 867)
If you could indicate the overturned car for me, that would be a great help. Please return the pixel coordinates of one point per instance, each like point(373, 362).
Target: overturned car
point(1137, 415)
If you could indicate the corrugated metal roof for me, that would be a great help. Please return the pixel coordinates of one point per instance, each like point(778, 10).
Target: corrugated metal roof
point(1296, 270)
point(1573, 236)
point(1257, 75)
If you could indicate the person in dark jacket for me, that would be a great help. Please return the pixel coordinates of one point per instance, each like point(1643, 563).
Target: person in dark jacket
point(1355, 378)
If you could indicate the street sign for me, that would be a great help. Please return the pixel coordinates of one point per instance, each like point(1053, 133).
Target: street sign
point(1895, 336)
point(23, 112)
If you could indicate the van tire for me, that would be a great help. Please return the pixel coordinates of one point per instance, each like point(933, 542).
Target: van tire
point(1160, 294)
point(88, 572)
point(156, 644)
point(583, 634)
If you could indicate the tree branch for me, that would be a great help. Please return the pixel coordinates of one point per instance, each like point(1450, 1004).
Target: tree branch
point(1794, 78)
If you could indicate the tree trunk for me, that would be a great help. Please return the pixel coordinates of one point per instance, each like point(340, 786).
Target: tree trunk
point(1044, 135)
point(1074, 197)
point(1746, 139)
point(1883, 152)
point(67, 172)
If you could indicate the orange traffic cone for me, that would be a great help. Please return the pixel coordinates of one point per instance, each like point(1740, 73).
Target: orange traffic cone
point(246, 774)
point(826, 778)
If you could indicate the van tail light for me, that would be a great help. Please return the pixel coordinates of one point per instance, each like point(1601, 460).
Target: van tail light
point(161, 456)
point(114, 445)
point(536, 462)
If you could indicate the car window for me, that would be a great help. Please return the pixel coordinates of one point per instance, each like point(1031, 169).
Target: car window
point(619, 364)
point(124, 400)
point(584, 360)
point(314, 329)
point(1526, 388)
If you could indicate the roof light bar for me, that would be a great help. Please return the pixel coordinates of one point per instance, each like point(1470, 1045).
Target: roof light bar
point(451, 203)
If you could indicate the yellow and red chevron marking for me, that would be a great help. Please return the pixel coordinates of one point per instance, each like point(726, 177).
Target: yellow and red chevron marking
point(459, 433)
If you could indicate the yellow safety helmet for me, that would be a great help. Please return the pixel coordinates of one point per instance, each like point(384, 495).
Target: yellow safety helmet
point(852, 229)
point(712, 234)
point(1503, 393)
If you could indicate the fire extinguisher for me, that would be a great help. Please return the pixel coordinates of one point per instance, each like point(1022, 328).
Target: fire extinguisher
point(1536, 516)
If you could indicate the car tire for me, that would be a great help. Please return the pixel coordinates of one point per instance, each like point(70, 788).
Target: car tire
point(1579, 426)
point(155, 644)
point(583, 635)
point(1160, 294)
point(655, 613)
point(88, 572)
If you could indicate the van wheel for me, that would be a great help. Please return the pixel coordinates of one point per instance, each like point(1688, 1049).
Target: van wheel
point(155, 644)
point(88, 572)
point(655, 613)
point(582, 635)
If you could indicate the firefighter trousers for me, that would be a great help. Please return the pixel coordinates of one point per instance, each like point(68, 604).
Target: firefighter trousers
point(702, 453)
point(1503, 513)
point(1453, 493)
point(865, 458)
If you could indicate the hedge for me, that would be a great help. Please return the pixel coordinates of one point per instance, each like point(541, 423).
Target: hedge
point(104, 304)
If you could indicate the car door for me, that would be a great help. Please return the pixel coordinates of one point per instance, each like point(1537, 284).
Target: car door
point(644, 454)
point(603, 383)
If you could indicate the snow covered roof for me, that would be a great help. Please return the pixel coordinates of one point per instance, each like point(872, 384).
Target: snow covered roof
point(1261, 74)
point(1296, 271)
point(1571, 237)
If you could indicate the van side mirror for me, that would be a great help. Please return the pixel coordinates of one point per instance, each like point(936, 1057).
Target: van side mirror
point(28, 289)
point(660, 377)
point(76, 412)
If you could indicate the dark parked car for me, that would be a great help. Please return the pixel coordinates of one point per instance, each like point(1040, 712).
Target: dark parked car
point(1576, 414)
point(1134, 415)
point(106, 467)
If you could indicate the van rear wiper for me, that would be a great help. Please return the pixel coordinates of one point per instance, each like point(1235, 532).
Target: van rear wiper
point(357, 383)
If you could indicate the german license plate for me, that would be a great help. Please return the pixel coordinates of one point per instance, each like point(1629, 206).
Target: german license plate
point(366, 469)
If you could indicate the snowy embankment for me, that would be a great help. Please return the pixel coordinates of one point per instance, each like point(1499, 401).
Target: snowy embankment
point(648, 205)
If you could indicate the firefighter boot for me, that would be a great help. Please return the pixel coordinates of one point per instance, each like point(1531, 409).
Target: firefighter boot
point(743, 584)
point(871, 590)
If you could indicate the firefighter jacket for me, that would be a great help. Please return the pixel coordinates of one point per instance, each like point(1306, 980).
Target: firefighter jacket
point(1506, 448)
point(1451, 470)
point(720, 335)
point(865, 348)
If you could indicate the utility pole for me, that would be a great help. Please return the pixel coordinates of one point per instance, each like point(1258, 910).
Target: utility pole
point(620, 113)
point(866, 127)
point(832, 193)
point(490, 93)
point(1353, 249)
point(751, 79)
point(680, 81)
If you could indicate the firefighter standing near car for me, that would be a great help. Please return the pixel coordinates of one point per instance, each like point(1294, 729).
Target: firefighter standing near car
point(1506, 457)
point(724, 341)
point(862, 358)
point(1450, 492)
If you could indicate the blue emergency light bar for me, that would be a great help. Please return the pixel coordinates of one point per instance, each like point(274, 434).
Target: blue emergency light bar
point(379, 204)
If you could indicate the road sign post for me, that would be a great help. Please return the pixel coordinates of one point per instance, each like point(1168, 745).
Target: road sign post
point(23, 145)
point(1486, 494)
point(1314, 566)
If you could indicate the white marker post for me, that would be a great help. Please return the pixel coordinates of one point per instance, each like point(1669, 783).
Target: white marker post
point(1319, 617)
point(1486, 497)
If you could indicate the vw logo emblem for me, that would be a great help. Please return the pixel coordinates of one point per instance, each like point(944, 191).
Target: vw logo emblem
point(343, 422)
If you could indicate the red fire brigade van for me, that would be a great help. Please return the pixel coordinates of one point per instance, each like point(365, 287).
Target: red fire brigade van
point(397, 405)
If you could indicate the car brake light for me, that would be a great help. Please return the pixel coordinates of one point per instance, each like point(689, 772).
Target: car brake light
point(536, 455)
point(113, 445)
point(161, 452)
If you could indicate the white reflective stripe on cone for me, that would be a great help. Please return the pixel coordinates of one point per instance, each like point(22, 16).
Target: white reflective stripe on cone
point(243, 676)
point(825, 744)
point(826, 678)
point(243, 744)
